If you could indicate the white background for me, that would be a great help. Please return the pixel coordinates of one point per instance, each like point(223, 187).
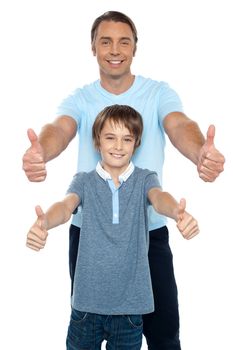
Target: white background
point(45, 54)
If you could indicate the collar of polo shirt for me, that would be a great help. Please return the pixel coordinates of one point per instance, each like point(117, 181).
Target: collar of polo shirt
point(106, 176)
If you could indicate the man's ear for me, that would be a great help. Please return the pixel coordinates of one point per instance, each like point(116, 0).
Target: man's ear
point(134, 51)
point(93, 49)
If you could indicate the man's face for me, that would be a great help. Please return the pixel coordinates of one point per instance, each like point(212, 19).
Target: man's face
point(114, 48)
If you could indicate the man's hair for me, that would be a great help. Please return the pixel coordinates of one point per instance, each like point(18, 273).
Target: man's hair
point(114, 16)
point(118, 114)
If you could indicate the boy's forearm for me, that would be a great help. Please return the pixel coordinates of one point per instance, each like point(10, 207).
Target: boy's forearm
point(166, 205)
point(56, 215)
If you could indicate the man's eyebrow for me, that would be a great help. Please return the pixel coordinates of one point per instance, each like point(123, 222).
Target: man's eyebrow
point(105, 37)
point(109, 38)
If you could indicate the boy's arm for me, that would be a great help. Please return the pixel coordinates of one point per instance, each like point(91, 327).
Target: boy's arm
point(166, 205)
point(57, 214)
point(52, 140)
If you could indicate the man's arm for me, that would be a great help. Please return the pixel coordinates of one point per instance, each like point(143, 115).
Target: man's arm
point(187, 137)
point(52, 140)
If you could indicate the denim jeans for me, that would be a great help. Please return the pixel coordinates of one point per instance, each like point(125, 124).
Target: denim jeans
point(87, 331)
point(161, 328)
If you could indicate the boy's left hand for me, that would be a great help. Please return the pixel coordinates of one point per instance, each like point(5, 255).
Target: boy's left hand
point(186, 224)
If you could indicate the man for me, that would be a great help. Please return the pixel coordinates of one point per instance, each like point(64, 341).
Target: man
point(114, 43)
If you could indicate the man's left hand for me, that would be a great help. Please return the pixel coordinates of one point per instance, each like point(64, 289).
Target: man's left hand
point(211, 161)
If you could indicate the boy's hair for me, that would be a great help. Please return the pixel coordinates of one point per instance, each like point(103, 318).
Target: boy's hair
point(118, 114)
point(114, 16)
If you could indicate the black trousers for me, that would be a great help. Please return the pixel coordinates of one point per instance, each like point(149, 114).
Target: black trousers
point(160, 328)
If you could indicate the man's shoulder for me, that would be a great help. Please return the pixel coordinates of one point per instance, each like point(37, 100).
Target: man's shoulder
point(150, 81)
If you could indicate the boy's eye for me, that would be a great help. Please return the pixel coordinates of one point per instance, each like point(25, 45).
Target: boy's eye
point(128, 140)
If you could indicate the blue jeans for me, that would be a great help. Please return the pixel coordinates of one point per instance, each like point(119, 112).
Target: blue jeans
point(161, 328)
point(87, 331)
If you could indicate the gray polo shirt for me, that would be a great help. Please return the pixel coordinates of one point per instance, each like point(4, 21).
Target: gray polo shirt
point(112, 274)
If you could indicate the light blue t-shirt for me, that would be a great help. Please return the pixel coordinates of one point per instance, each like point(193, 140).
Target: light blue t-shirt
point(152, 99)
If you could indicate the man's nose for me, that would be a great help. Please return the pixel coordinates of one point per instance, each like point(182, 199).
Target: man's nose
point(115, 49)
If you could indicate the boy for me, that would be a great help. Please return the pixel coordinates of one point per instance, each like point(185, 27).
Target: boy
point(112, 286)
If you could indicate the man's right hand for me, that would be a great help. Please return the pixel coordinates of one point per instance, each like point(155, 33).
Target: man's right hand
point(33, 159)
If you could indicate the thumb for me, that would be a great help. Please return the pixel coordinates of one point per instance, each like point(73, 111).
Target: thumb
point(40, 216)
point(210, 135)
point(33, 138)
point(181, 209)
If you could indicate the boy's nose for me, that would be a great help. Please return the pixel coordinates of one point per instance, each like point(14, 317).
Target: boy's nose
point(118, 144)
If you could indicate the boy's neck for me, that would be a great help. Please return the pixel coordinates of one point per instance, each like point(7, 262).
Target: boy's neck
point(115, 173)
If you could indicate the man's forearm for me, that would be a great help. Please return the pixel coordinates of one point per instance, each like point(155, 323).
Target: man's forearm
point(52, 141)
point(55, 137)
point(185, 135)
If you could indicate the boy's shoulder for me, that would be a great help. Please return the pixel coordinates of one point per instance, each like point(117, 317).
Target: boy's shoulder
point(143, 172)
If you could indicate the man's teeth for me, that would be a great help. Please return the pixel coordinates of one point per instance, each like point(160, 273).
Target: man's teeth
point(115, 62)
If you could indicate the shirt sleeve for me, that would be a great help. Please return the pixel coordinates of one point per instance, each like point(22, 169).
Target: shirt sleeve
point(71, 106)
point(151, 181)
point(77, 185)
point(169, 102)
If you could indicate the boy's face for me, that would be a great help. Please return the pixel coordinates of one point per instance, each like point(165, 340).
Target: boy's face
point(116, 147)
point(114, 47)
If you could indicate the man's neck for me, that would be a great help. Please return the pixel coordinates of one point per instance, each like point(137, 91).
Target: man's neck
point(117, 85)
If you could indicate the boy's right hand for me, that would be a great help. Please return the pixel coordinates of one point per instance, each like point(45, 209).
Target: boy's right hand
point(37, 235)
point(33, 159)
point(186, 223)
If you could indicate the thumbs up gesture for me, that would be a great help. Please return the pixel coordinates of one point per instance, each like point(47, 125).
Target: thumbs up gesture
point(211, 161)
point(33, 159)
point(186, 223)
point(37, 235)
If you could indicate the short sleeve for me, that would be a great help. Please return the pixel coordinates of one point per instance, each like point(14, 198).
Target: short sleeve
point(77, 185)
point(169, 102)
point(71, 106)
point(151, 181)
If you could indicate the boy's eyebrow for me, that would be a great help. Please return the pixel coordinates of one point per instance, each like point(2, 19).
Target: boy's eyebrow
point(112, 134)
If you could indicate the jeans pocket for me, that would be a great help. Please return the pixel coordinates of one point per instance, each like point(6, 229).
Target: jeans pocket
point(78, 330)
point(78, 316)
point(135, 320)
